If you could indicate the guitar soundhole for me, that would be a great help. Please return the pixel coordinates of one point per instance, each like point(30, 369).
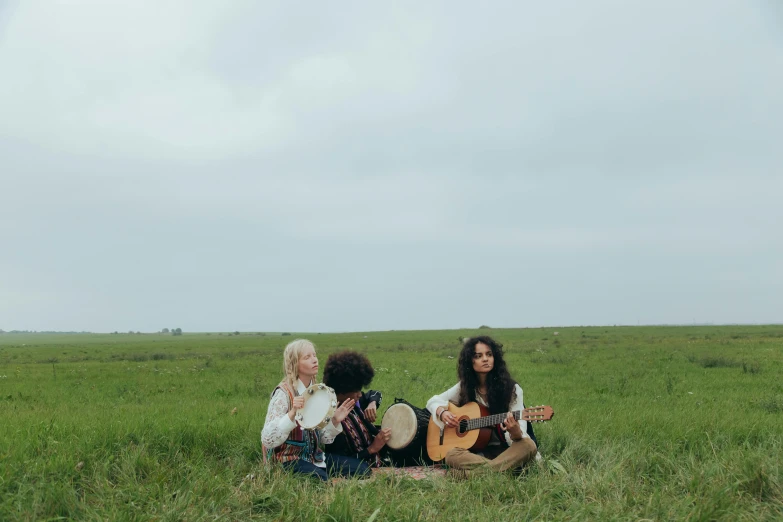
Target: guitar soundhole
point(463, 426)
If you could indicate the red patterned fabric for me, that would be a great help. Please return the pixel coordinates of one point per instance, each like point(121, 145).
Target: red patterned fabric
point(358, 436)
point(301, 444)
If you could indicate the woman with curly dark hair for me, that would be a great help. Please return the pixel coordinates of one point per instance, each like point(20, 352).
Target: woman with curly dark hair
point(484, 378)
point(347, 373)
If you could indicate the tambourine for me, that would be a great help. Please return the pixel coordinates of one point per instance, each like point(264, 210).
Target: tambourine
point(320, 403)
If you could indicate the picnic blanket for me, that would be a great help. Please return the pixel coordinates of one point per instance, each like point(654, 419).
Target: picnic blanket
point(414, 472)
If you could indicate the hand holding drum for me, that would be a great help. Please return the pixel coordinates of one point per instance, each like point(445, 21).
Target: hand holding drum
point(380, 441)
point(319, 408)
point(297, 405)
point(408, 432)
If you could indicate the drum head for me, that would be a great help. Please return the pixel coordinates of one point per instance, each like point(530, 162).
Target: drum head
point(402, 420)
point(319, 404)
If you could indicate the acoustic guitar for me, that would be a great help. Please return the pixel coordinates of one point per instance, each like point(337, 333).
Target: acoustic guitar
point(475, 427)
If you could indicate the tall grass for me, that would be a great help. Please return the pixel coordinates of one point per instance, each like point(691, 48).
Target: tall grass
point(651, 423)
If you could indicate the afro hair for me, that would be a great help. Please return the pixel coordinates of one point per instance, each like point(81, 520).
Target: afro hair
point(348, 372)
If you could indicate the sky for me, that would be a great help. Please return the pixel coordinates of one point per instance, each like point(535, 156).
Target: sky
point(258, 166)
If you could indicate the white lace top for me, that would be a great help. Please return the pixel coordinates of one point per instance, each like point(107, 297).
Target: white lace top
point(278, 425)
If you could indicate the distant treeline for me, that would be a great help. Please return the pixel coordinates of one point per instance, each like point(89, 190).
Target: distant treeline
point(39, 332)
point(173, 331)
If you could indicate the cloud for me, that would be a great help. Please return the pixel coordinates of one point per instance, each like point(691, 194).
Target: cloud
point(214, 163)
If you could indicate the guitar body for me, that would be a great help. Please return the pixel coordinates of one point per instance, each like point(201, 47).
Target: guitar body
point(475, 427)
point(439, 442)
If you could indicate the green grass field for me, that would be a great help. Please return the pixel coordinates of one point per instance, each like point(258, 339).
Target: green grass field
point(656, 423)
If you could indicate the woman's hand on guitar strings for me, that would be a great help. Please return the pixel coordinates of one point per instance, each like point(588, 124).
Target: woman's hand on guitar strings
point(512, 427)
point(371, 411)
point(297, 405)
point(449, 419)
point(342, 411)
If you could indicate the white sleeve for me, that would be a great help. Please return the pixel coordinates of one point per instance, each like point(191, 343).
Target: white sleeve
point(277, 425)
point(518, 405)
point(436, 401)
point(330, 432)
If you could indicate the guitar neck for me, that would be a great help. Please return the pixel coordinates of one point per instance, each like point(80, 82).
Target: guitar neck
point(491, 420)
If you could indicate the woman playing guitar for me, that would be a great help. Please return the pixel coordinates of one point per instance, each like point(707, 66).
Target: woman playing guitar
point(484, 378)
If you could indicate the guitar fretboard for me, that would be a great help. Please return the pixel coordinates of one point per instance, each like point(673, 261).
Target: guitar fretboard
point(491, 420)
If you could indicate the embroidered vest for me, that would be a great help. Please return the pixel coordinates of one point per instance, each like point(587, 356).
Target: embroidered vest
point(301, 444)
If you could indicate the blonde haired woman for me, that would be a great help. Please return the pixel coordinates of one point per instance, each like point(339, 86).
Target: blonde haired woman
point(284, 441)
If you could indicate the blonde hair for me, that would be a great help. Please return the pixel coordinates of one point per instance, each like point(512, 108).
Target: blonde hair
point(291, 360)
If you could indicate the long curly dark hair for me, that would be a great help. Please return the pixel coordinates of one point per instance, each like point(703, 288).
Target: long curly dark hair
point(348, 372)
point(500, 384)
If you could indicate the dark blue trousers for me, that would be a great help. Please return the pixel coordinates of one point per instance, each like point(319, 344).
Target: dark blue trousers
point(336, 466)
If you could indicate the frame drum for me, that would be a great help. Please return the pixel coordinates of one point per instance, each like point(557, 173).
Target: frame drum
point(320, 404)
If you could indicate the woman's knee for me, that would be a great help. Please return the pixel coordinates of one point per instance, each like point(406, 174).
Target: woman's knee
point(454, 453)
point(528, 449)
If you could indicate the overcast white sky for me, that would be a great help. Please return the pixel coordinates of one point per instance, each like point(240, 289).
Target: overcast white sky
point(255, 165)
